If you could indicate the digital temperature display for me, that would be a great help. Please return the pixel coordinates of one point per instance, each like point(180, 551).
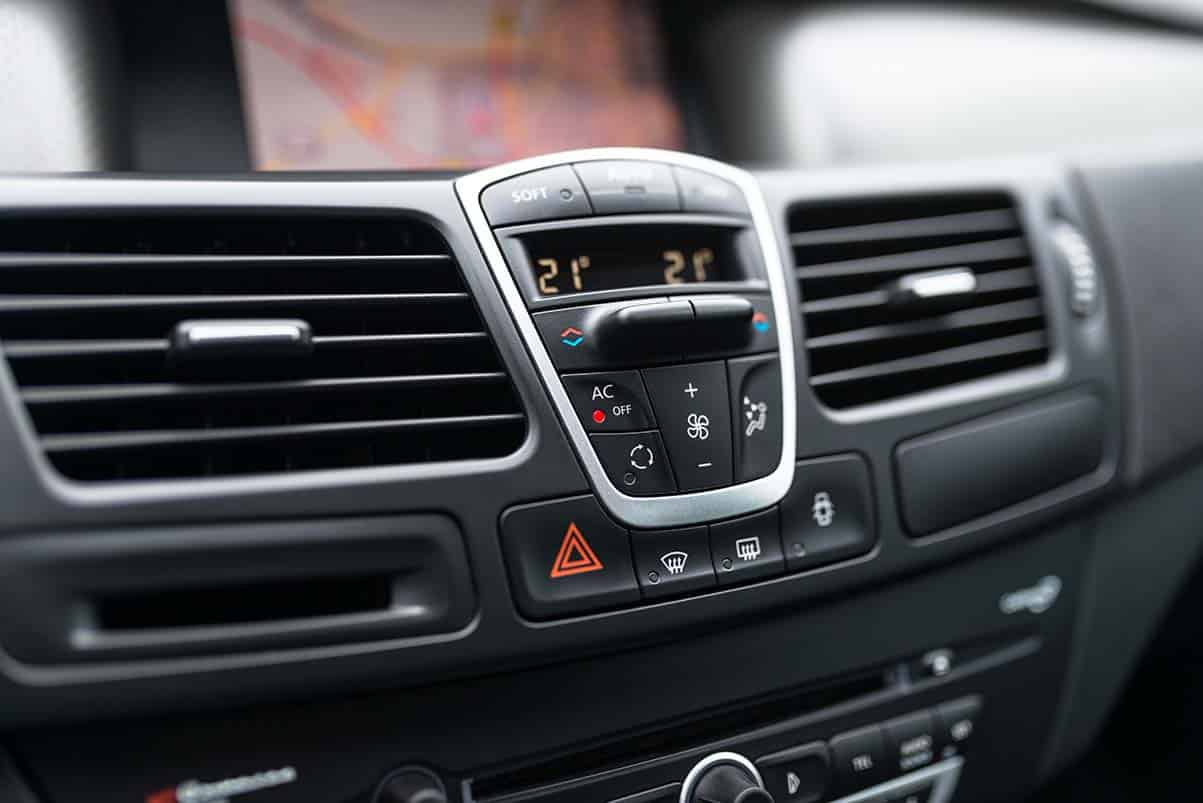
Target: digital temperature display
point(585, 260)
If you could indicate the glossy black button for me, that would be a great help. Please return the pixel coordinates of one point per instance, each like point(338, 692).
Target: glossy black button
point(748, 548)
point(691, 404)
point(827, 515)
point(733, 325)
point(799, 775)
point(567, 557)
point(703, 192)
point(610, 402)
point(910, 742)
point(669, 562)
point(635, 462)
point(955, 724)
point(756, 412)
point(733, 310)
point(617, 187)
point(574, 337)
point(859, 759)
point(542, 195)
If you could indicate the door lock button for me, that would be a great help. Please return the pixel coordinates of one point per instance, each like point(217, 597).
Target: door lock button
point(827, 516)
point(610, 402)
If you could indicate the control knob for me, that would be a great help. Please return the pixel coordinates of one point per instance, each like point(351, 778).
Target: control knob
point(724, 778)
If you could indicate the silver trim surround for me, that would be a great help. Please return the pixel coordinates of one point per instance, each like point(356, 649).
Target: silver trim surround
point(664, 511)
point(691, 780)
point(942, 776)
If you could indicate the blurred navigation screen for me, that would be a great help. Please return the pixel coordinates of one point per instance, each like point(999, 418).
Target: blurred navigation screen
point(447, 84)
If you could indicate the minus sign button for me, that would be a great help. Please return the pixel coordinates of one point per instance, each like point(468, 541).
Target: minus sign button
point(705, 465)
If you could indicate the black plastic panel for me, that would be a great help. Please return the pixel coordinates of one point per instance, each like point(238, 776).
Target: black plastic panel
point(177, 591)
point(958, 474)
point(707, 688)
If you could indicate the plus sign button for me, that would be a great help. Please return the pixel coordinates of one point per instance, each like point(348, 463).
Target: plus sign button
point(693, 409)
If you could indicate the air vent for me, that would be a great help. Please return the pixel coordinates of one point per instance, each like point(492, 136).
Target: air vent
point(396, 367)
point(906, 295)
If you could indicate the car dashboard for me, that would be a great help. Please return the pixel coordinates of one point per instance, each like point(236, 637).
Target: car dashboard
point(729, 442)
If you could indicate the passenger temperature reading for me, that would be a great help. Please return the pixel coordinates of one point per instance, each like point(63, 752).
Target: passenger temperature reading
point(588, 260)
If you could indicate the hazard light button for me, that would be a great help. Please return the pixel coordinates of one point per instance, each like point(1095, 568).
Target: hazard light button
point(567, 557)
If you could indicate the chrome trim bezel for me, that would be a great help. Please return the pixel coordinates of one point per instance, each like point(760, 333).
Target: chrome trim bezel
point(942, 776)
point(713, 760)
point(662, 511)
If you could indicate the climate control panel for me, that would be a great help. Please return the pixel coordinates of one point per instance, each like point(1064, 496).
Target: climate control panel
point(649, 291)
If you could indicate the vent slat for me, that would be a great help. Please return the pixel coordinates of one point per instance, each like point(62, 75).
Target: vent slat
point(157, 262)
point(987, 283)
point(39, 349)
point(1002, 347)
point(969, 222)
point(86, 394)
point(966, 319)
point(110, 441)
point(402, 369)
point(204, 304)
point(992, 251)
point(868, 339)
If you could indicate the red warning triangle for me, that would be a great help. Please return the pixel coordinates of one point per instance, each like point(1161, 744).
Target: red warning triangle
point(575, 555)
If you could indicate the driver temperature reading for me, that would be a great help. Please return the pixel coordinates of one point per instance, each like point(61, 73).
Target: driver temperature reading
point(591, 259)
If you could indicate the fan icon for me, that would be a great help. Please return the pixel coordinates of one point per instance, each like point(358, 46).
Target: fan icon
point(697, 426)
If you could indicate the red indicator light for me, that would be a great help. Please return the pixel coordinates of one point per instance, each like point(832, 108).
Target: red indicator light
point(598, 416)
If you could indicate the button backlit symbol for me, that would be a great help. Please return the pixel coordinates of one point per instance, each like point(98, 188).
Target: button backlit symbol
point(575, 555)
point(748, 548)
point(792, 783)
point(675, 561)
point(760, 322)
point(572, 337)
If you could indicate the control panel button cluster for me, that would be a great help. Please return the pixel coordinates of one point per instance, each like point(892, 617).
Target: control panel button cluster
point(684, 427)
point(865, 757)
point(609, 187)
point(567, 557)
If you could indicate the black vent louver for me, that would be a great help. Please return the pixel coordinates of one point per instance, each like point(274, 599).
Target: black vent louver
point(401, 368)
point(865, 342)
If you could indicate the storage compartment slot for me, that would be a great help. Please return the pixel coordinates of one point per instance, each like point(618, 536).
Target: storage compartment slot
point(949, 477)
point(206, 590)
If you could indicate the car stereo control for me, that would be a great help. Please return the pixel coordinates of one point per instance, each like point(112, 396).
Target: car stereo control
point(724, 778)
